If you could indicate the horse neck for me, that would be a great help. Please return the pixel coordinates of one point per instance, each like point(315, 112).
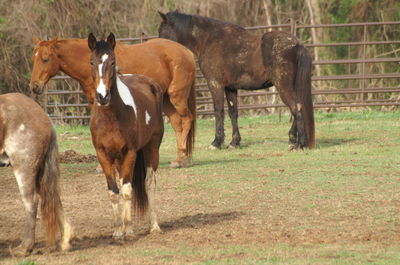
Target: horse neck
point(199, 34)
point(74, 58)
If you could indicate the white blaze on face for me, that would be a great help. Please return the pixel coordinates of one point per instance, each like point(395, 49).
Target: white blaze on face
point(101, 88)
point(148, 117)
point(125, 94)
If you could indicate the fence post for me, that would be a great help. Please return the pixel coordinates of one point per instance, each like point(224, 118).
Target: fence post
point(363, 64)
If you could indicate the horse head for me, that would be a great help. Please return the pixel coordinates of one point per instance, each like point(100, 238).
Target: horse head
point(166, 29)
point(45, 63)
point(102, 63)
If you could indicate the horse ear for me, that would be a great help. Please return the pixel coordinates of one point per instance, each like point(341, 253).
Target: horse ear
point(54, 40)
point(111, 40)
point(92, 42)
point(35, 40)
point(163, 16)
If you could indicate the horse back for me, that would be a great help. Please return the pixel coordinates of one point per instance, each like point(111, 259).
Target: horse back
point(233, 58)
point(157, 59)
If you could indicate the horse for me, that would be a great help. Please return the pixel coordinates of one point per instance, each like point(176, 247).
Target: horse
point(127, 129)
point(170, 64)
point(28, 143)
point(232, 58)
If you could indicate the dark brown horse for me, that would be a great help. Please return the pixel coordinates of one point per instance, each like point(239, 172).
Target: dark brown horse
point(28, 143)
point(127, 129)
point(232, 58)
point(170, 64)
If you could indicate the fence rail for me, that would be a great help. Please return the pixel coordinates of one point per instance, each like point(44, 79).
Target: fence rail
point(365, 88)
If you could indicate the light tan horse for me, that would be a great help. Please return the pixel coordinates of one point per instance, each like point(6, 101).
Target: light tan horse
point(28, 143)
point(168, 63)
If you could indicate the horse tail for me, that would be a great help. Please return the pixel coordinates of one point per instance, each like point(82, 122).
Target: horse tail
point(139, 184)
point(303, 92)
point(192, 132)
point(47, 181)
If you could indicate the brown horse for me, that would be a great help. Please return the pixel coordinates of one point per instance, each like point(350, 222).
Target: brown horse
point(127, 129)
point(28, 143)
point(232, 58)
point(170, 64)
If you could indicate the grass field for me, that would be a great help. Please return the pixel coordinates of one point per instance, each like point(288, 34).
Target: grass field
point(336, 204)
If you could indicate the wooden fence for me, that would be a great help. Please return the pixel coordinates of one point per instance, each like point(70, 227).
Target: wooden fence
point(367, 80)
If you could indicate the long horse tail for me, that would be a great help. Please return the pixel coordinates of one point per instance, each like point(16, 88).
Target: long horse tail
point(47, 181)
point(192, 132)
point(303, 92)
point(139, 184)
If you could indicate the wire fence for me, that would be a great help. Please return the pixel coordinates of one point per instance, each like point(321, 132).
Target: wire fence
point(362, 73)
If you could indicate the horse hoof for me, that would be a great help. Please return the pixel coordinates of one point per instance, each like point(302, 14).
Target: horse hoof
point(20, 251)
point(129, 231)
point(292, 147)
point(213, 147)
point(180, 164)
point(118, 235)
point(155, 230)
point(99, 169)
point(233, 146)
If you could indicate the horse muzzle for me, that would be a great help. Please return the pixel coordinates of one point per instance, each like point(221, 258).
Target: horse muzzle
point(36, 87)
point(103, 100)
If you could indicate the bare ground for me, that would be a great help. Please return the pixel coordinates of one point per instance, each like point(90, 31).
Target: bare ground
point(193, 218)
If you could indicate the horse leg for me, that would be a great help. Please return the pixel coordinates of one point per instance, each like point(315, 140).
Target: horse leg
point(126, 172)
point(113, 191)
point(176, 123)
point(66, 230)
point(217, 93)
point(287, 93)
point(152, 155)
point(231, 98)
point(27, 187)
point(179, 102)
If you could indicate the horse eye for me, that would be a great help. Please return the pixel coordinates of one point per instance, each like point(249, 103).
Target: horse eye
point(46, 60)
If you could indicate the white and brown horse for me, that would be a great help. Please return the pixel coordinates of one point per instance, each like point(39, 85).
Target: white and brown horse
point(127, 130)
point(28, 143)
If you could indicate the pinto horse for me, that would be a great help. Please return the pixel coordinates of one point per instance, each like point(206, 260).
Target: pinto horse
point(28, 143)
point(232, 58)
point(127, 129)
point(170, 64)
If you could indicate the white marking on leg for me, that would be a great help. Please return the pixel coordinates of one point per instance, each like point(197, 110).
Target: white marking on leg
point(117, 218)
point(148, 117)
point(298, 107)
point(125, 94)
point(151, 193)
point(231, 103)
point(126, 192)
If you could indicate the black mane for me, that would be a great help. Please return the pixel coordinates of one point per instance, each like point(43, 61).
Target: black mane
point(184, 22)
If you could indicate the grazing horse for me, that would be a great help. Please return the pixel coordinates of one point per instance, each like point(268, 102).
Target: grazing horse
point(28, 143)
point(127, 129)
point(170, 64)
point(232, 58)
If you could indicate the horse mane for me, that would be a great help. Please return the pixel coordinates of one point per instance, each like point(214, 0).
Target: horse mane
point(184, 22)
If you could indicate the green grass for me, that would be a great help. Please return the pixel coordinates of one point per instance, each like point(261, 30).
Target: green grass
point(348, 184)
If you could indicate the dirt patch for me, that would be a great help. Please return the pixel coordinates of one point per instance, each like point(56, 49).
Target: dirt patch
point(71, 156)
